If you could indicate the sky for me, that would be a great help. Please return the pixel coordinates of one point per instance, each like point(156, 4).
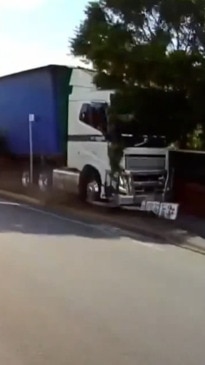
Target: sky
point(36, 32)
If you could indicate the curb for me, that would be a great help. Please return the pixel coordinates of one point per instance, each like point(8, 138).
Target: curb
point(90, 215)
point(20, 198)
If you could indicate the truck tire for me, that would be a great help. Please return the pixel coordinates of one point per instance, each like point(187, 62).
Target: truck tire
point(45, 181)
point(25, 179)
point(90, 185)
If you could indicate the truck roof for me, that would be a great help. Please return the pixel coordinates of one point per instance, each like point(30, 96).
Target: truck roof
point(42, 68)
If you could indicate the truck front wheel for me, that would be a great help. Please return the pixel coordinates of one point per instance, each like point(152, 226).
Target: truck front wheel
point(90, 185)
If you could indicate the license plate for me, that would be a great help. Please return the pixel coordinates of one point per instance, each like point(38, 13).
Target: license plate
point(163, 210)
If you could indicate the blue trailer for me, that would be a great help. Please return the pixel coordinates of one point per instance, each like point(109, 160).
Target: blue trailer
point(44, 93)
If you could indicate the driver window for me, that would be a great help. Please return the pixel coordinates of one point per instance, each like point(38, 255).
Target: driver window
point(85, 114)
point(94, 115)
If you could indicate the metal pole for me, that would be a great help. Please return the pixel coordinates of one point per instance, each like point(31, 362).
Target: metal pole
point(31, 150)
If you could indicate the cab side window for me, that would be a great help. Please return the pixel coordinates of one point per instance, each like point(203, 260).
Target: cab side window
point(94, 114)
point(85, 114)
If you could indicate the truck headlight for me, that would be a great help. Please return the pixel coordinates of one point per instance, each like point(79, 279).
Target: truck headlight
point(122, 182)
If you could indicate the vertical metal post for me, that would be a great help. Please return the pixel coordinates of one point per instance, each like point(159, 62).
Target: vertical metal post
point(31, 151)
point(31, 120)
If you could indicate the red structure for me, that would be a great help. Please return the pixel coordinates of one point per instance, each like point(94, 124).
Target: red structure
point(189, 182)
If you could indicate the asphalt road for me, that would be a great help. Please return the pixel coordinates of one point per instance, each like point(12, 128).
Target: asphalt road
point(78, 294)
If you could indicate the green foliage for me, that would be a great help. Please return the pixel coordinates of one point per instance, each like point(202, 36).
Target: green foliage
point(152, 53)
point(195, 140)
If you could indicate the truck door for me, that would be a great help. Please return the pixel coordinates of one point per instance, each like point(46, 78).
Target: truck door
point(90, 131)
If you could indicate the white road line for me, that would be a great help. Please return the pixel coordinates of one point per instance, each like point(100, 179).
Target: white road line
point(154, 246)
point(9, 203)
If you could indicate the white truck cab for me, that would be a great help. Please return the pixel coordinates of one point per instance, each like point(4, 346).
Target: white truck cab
point(145, 179)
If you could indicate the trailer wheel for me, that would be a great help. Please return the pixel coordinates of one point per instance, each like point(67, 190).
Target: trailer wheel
point(25, 180)
point(45, 181)
point(90, 185)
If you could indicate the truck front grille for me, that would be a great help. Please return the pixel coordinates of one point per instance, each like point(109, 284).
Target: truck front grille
point(148, 184)
point(145, 163)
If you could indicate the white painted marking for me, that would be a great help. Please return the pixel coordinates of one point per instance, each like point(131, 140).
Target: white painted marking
point(9, 203)
point(154, 246)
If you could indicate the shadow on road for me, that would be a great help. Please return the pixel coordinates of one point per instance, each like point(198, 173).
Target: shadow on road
point(17, 218)
point(30, 220)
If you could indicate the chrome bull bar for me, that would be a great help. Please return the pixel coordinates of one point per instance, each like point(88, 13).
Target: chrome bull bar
point(149, 195)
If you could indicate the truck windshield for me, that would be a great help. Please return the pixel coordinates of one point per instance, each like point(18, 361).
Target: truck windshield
point(127, 133)
point(144, 141)
point(96, 115)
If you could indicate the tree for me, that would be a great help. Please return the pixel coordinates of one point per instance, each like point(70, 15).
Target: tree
point(152, 53)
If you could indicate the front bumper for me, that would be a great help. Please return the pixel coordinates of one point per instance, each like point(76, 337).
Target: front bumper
point(162, 209)
point(150, 195)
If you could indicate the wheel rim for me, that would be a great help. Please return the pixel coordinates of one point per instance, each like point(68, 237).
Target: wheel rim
point(93, 190)
point(43, 182)
point(25, 179)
